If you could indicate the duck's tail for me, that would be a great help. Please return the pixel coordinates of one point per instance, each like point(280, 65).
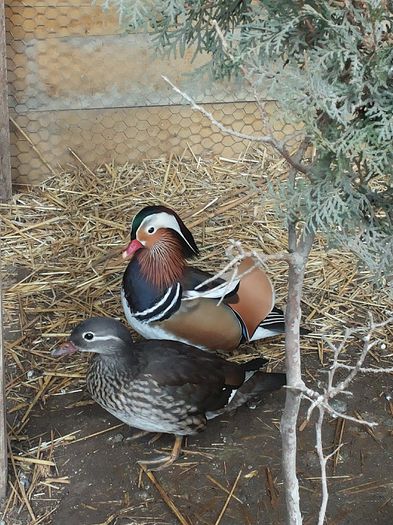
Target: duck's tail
point(256, 384)
point(273, 324)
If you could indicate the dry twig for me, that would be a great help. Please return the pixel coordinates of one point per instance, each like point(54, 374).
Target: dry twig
point(321, 400)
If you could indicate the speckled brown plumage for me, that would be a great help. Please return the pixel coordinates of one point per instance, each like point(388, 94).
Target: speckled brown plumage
point(163, 386)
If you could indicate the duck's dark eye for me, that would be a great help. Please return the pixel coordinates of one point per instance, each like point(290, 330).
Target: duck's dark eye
point(150, 230)
point(88, 336)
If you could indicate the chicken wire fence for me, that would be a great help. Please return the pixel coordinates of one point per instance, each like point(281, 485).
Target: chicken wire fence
point(77, 80)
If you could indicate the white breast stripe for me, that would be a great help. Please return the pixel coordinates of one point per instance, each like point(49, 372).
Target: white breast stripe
point(155, 306)
point(175, 299)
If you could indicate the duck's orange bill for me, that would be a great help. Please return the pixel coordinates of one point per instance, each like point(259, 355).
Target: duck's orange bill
point(133, 247)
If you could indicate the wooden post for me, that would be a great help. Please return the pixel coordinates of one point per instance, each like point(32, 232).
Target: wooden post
point(5, 163)
point(5, 194)
point(3, 424)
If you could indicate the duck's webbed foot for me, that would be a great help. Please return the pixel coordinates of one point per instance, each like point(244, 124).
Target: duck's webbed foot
point(164, 461)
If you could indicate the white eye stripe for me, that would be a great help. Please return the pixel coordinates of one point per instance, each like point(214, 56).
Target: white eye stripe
point(162, 220)
point(106, 338)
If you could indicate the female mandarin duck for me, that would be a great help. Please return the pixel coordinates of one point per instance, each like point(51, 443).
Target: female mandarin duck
point(163, 386)
point(162, 300)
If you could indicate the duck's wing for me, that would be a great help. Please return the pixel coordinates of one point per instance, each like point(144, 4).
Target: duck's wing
point(255, 297)
point(203, 380)
point(194, 285)
point(208, 384)
point(251, 295)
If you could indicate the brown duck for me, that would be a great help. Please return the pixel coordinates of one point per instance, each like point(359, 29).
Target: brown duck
point(163, 386)
point(163, 297)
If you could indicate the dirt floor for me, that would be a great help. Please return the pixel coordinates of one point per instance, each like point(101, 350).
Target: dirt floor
point(71, 463)
point(106, 486)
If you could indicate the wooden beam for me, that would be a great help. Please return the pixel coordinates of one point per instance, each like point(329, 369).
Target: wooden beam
point(5, 194)
point(5, 162)
point(3, 424)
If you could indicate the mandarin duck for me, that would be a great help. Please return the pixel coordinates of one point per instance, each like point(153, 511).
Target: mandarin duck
point(162, 296)
point(163, 386)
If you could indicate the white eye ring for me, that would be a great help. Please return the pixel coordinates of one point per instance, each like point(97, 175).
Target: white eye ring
point(151, 230)
point(89, 336)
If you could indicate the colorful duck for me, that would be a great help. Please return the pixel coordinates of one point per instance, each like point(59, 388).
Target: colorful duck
point(163, 297)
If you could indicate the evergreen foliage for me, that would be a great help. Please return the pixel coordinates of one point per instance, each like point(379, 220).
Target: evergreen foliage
point(328, 64)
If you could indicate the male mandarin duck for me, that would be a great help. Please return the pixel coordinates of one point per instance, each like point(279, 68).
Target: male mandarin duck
point(163, 386)
point(162, 299)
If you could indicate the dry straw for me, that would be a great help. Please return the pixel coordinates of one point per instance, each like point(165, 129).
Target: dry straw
point(61, 264)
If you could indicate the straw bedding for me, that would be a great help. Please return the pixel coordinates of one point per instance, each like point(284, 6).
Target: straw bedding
point(61, 264)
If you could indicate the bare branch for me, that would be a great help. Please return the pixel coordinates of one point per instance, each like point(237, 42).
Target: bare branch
point(265, 139)
point(246, 75)
point(290, 414)
point(219, 274)
point(370, 424)
point(323, 461)
point(332, 454)
point(223, 288)
point(292, 239)
point(367, 370)
point(319, 400)
point(306, 242)
point(261, 257)
point(223, 40)
point(367, 346)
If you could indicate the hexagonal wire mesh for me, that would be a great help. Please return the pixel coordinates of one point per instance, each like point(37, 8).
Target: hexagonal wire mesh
point(77, 80)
